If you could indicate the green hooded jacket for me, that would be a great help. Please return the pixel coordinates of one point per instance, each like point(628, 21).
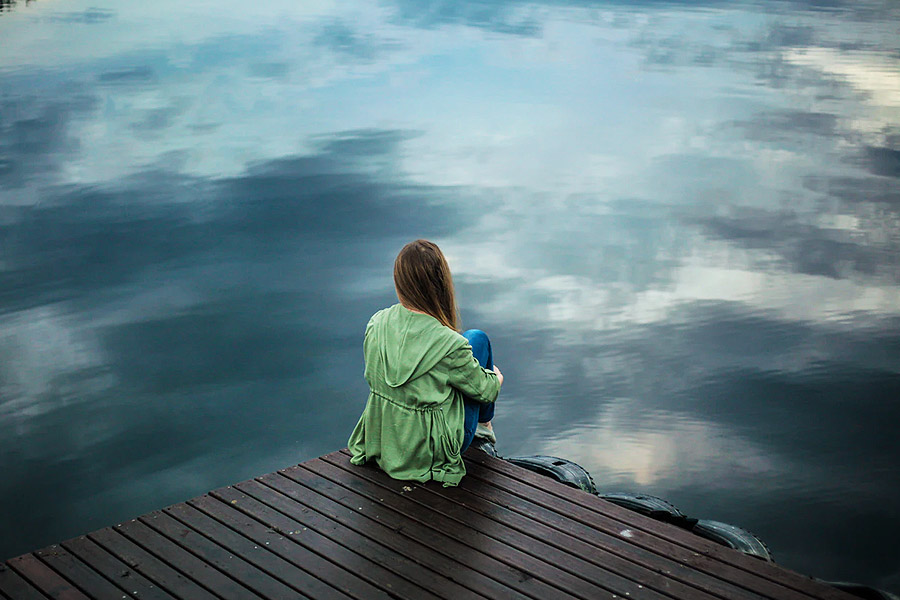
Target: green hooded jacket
point(418, 371)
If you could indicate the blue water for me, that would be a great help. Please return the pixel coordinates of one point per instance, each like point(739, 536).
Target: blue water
point(679, 222)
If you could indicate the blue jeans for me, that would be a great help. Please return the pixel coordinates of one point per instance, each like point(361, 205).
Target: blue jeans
point(477, 412)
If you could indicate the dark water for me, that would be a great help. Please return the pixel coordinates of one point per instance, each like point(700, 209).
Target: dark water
point(680, 223)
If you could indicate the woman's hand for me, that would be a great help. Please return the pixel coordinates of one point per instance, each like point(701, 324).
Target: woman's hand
point(499, 374)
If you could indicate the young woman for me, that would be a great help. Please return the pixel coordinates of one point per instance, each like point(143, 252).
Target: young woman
point(430, 387)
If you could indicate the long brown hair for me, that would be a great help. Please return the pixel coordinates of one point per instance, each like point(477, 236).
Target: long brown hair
point(423, 282)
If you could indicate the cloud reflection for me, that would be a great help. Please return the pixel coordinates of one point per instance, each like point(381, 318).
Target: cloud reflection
point(169, 297)
point(679, 226)
point(631, 448)
point(36, 137)
point(732, 415)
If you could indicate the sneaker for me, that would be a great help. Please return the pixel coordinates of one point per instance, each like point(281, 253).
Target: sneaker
point(485, 433)
point(485, 446)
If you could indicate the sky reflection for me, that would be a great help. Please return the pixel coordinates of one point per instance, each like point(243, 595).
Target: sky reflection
point(680, 223)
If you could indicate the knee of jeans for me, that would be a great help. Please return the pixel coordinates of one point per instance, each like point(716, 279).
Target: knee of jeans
point(475, 336)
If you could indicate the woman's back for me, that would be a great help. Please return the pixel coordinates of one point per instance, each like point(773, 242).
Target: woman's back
point(418, 371)
point(402, 349)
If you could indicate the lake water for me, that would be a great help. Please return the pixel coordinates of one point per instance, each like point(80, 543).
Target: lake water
point(678, 221)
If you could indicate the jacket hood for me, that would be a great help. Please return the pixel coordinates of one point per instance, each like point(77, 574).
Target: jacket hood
point(409, 343)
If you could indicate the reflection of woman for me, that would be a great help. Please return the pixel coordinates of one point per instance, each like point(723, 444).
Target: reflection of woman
point(431, 389)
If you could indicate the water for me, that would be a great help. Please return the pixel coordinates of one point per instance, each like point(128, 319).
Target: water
point(680, 223)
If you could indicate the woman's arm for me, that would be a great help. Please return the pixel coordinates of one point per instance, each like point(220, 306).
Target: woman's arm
point(471, 378)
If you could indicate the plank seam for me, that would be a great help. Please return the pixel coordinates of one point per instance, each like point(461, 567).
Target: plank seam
point(553, 486)
point(708, 569)
point(732, 558)
point(148, 523)
point(534, 553)
point(267, 572)
point(313, 508)
point(715, 553)
point(544, 485)
point(88, 541)
point(77, 558)
point(35, 584)
point(298, 564)
point(408, 555)
point(633, 560)
point(561, 546)
point(506, 562)
point(187, 549)
point(28, 581)
point(164, 561)
point(68, 580)
point(372, 581)
point(135, 567)
point(406, 536)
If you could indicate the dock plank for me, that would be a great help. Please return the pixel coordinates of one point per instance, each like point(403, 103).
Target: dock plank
point(259, 507)
point(466, 514)
point(507, 510)
point(650, 566)
point(14, 587)
point(45, 579)
point(594, 509)
point(167, 549)
point(697, 558)
point(217, 556)
point(359, 529)
point(114, 569)
point(307, 550)
point(165, 576)
point(89, 581)
point(327, 529)
point(490, 537)
point(268, 563)
point(406, 526)
point(381, 556)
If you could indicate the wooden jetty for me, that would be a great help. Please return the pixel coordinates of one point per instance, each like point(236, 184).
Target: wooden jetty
point(328, 529)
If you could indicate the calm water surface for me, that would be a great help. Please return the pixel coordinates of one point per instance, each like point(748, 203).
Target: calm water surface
point(680, 222)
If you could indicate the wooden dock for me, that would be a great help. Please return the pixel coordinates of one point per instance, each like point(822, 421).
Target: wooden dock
point(328, 529)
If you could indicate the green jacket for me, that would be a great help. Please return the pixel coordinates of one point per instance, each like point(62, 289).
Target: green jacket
point(418, 371)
